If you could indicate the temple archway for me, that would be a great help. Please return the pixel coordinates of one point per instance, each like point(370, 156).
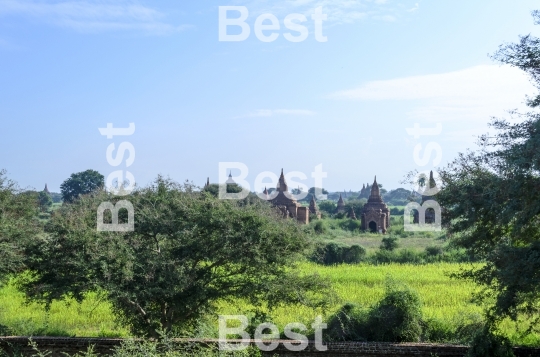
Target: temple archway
point(373, 227)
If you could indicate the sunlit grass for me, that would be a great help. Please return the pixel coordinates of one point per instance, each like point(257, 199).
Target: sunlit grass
point(443, 298)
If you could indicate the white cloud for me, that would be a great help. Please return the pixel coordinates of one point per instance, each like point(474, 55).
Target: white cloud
point(92, 16)
point(274, 112)
point(475, 93)
point(338, 11)
point(415, 8)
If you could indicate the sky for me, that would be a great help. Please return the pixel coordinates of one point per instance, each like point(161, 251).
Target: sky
point(343, 97)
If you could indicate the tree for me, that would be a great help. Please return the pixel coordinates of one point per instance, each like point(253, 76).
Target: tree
point(491, 201)
point(81, 183)
point(327, 206)
point(45, 201)
point(188, 251)
point(18, 225)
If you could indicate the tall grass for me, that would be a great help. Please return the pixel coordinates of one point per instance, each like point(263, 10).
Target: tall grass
point(443, 298)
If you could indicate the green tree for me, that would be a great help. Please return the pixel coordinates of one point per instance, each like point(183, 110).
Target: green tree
point(81, 183)
point(327, 206)
point(188, 251)
point(389, 243)
point(18, 225)
point(45, 201)
point(491, 202)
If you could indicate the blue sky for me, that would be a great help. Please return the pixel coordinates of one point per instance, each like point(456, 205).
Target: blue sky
point(68, 68)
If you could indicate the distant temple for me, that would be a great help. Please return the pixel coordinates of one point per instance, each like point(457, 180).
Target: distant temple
point(375, 214)
point(313, 209)
point(351, 214)
point(340, 205)
point(287, 204)
point(46, 190)
point(430, 212)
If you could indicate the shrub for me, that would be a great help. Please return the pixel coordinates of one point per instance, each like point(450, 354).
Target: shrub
point(334, 253)
point(354, 254)
point(389, 243)
point(434, 330)
point(319, 227)
point(488, 344)
point(434, 251)
point(350, 225)
point(348, 324)
point(397, 317)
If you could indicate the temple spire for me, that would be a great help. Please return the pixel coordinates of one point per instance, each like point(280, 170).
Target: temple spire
point(282, 184)
point(375, 195)
point(46, 190)
point(230, 180)
point(351, 214)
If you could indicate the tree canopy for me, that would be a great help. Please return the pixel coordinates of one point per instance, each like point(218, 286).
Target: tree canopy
point(81, 183)
point(188, 251)
point(491, 200)
point(18, 225)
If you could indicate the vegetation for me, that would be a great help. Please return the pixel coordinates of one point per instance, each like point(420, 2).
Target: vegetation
point(18, 226)
point(396, 318)
point(188, 251)
point(81, 183)
point(334, 253)
point(491, 201)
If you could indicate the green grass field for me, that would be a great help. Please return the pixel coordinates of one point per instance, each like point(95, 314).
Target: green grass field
point(443, 298)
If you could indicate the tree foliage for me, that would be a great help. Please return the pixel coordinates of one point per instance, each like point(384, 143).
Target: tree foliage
point(491, 201)
point(45, 201)
point(18, 225)
point(81, 183)
point(188, 251)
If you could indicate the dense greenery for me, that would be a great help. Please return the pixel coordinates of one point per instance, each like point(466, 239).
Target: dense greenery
point(334, 253)
point(396, 318)
point(81, 183)
point(18, 226)
point(492, 202)
point(188, 251)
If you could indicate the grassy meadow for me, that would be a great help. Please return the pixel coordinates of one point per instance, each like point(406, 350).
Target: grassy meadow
point(443, 298)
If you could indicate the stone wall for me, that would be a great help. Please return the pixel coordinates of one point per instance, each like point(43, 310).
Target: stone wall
point(57, 345)
point(302, 215)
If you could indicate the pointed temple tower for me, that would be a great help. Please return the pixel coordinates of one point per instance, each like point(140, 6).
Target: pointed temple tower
point(430, 213)
point(230, 179)
point(351, 214)
point(313, 209)
point(207, 184)
point(375, 214)
point(340, 205)
point(46, 190)
point(288, 204)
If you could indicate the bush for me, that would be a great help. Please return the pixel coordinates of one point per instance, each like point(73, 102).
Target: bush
point(319, 227)
point(434, 251)
point(397, 317)
point(350, 225)
point(334, 253)
point(434, 330)
point(488, 344)
point(389, 243)
point(348, 324)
